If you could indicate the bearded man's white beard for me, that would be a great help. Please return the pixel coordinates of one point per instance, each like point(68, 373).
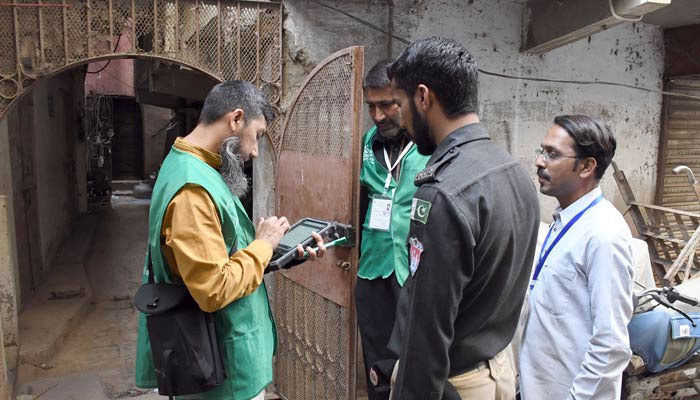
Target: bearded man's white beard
point(232, 167)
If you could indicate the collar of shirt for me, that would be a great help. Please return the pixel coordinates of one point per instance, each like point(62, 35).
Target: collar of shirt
point(563, 216)
point(214, 160)
point(467, 133)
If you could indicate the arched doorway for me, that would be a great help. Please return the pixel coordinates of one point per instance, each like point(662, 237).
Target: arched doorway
point(224, 39)
point(213, 40)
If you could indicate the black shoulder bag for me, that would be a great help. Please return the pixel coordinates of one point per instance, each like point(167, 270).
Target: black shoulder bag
point(183, 339)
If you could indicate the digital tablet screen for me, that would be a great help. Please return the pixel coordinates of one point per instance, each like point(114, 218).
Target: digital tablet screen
point(297, 235)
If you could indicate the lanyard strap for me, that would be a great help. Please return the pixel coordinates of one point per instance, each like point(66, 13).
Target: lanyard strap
point(390, 167)
point(543, 257)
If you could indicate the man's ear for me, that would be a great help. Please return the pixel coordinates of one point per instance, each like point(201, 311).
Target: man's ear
point(588, 167)
point(422, 97)
point(236, 119)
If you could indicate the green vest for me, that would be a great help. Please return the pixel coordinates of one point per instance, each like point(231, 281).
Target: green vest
point(384, 252)
point(245, 328)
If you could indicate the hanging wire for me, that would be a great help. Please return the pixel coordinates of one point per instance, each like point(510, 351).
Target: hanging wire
point(508, 76)
point(108, 61)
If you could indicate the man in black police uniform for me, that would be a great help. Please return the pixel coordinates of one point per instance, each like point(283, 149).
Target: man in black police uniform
point(472, 238)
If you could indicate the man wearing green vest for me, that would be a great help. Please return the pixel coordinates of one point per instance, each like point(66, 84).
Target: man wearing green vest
point(390, 161)
point(200, 235)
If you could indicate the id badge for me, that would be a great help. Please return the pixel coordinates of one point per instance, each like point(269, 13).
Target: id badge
point(380, 214)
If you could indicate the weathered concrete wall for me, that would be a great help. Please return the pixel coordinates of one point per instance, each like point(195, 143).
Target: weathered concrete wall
point(79, 142)
point(9, 275)
point(54, 164)
point(516, 112)
point(155, 120)
point(8, 299)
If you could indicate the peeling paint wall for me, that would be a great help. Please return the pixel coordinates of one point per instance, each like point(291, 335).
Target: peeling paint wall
point(9, 275)
point(517, 113)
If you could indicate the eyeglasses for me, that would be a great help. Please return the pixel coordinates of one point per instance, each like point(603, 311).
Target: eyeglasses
point(550, 155)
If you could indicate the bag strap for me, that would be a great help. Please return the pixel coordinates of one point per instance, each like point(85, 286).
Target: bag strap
point(166, 371)
point(151, 279)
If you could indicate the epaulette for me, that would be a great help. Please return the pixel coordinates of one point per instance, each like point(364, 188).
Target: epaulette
point(430, 174)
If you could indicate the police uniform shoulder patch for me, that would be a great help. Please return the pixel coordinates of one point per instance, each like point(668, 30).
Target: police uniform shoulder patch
point(373, 377)
point(420, 209)
point(415, 252)
point(429, 174)
point(424, 176)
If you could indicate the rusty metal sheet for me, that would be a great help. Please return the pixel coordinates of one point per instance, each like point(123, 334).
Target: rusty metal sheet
point(318, 187)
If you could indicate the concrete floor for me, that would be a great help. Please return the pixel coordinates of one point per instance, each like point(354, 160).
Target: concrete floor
point(104, 343)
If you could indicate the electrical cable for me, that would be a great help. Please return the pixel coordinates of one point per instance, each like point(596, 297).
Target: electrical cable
point(507, 76)
point(108, 61)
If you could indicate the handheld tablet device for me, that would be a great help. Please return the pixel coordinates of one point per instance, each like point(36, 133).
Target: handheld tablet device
point(299, 233)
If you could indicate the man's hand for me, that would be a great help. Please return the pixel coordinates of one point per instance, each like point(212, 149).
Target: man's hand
point(271, 230)
point(312, 253)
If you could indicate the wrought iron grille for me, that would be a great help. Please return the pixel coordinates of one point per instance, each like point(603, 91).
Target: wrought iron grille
point(323, 119)
point(313, 350)
point(223, 38)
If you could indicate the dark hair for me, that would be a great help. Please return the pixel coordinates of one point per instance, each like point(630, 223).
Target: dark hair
point(230, 95)
point(445, 67)
point(377, 76)
point(592, 138)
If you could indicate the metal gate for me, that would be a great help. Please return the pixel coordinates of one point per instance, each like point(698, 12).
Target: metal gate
point(318, 175)
point(223, 38)
point(679, 145)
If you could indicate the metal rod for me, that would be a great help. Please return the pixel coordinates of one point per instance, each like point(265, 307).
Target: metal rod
point(257, 44)
point(65, 33)
point(17, 58)
point(111, 28)
point(155, 26)
point(218, 37)
point(41, 35)
point(133, 26)
point(279, 60)
point(33, 5)
point(238, 41)
point(89, 30)
point(177, 27)
point(196, 32)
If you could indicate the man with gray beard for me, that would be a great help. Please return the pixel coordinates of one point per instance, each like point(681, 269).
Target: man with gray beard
point(200, 235)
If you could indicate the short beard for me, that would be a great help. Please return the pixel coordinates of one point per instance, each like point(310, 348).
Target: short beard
point(421, 132)
point(232, 167)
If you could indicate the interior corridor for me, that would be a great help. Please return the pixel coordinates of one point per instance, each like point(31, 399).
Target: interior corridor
point(104, 342)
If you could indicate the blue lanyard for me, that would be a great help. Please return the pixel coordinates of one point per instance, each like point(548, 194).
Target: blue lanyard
point(568, 226)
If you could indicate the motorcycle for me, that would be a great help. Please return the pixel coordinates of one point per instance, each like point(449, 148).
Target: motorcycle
point(665, 343)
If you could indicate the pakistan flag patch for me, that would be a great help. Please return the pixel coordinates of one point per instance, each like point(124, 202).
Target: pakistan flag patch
point(420, 210)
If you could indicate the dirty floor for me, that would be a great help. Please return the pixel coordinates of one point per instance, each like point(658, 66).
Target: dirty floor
point(104, 343)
